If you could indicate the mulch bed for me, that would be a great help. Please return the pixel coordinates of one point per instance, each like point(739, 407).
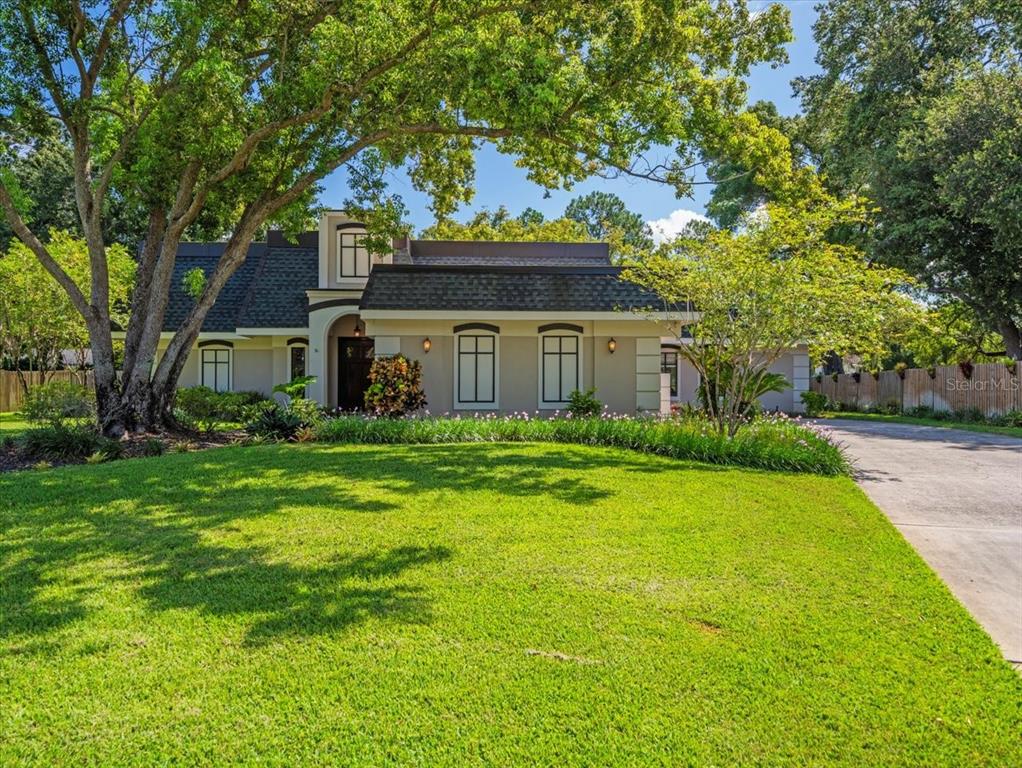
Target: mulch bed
point(134, 447)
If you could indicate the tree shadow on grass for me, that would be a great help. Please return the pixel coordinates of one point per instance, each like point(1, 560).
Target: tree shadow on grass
point(170, 524)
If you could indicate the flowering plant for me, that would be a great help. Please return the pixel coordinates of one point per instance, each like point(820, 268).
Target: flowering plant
point(395, 386)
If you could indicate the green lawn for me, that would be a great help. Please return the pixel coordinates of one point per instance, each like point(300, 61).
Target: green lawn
point(12, 424)
point(970, 426)
point(469, 604)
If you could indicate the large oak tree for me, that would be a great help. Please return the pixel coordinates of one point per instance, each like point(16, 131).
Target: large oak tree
point(917, 108)
point(226, 114)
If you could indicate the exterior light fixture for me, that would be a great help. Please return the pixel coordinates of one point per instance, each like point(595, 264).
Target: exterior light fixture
point(612, 345)
point(426, 345)
point(358, 328)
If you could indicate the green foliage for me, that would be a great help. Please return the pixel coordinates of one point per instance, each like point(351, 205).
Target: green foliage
point(605, 216)
point(771, 287)
point(37, 319)
point(66, 443)
point(204, 409)
point(296, 387)
point(43, 171)
point(194, 282)
point(945, 335)
point(815, 403)
point(395, 386)
point(223, 119)
point(737, 192)
point(275, 423)
point(767, 443)
point(501, 226)
point(57, 401)
point(153, 446)
point(584, 404)
point(919, 104)
point(308, 411)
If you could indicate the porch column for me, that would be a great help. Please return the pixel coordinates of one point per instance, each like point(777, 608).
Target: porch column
point(647, 373)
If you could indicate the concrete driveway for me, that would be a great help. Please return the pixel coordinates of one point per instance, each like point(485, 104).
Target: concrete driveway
point(956, 496)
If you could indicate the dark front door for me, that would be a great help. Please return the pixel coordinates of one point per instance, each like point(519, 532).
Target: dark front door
point(355, 357)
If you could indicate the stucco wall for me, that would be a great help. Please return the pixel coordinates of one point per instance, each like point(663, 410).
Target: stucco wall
point(437, 369)
point(257, 364)
point(253, 370)
point(328, 277)
point(614, 375)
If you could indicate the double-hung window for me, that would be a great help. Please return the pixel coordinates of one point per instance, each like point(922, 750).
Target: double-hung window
point(352, 256)
point(669, 365)
point(560, 368)
point(216, 369)
point(475, 368)
point(296, 361)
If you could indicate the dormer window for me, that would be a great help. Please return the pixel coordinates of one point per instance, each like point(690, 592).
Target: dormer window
point(352, 256)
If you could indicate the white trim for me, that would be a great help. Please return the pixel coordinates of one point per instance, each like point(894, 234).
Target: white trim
point(557, 404)
point(273, 331)
point(495, 405)
point(317, 295)
point(230, 365)
point(341, 278)
point(446, 314)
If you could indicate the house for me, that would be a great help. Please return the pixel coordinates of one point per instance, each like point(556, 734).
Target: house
point(497, 326)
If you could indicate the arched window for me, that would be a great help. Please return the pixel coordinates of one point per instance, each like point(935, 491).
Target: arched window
point(560, 363)
point(216, 366)
point(352, 256)
point(476, 366)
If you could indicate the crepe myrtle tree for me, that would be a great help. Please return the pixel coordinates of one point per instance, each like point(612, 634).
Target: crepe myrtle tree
point(761, 291)
point(218, 115)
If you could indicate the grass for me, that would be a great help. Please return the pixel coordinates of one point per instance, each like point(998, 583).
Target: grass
point(969, 426)
point(468, 604)
point(776, 443)
point(11, 424)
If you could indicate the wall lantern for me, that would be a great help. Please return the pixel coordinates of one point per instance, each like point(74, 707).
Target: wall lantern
point(426, 345)
point(611, 346)
point(358, 328)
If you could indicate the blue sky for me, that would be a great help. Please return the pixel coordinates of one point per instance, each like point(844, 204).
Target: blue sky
point(499, 182)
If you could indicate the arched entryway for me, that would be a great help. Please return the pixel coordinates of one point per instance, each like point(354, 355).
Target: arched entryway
point(350, 356)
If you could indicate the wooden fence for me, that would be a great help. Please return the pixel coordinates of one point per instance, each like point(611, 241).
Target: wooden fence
point(12, 394)
point(991, 389)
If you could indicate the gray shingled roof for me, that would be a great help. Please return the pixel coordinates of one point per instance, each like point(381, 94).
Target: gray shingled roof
point(267, 291)
point(514, 289)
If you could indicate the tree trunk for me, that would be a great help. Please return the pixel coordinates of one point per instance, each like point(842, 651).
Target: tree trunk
point(1012, 338)
point(147, 408)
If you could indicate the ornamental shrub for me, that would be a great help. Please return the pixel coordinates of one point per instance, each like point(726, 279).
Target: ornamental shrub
point(204, 409)
point(771, 442)
point(583, 404)
point(67, 443)
point(815, 403)
point(56, 401)
point(395, 387)
point(276, 423)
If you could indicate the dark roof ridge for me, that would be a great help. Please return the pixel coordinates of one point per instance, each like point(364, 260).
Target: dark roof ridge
point(510, 242)
point(608, 269)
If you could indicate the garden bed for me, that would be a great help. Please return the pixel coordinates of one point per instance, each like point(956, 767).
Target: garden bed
point(769, 442)
point(772, 442)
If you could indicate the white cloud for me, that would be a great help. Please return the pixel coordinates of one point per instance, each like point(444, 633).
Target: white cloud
point(672, 225)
